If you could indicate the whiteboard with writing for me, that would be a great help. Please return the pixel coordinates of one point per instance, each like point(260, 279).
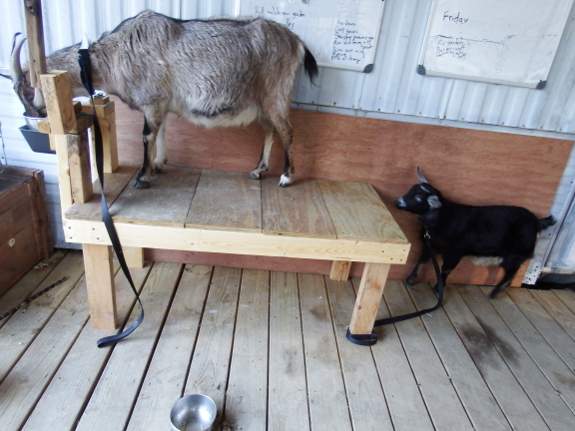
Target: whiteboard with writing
point(502, 41)
point(339, 33)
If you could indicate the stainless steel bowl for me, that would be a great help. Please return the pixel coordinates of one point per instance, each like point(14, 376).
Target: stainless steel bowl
point(32, 122)
point(195, 412)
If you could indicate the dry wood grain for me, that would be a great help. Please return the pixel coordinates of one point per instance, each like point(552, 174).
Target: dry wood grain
point(226, 200)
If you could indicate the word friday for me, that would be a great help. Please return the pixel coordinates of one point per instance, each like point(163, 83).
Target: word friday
point(454, 18)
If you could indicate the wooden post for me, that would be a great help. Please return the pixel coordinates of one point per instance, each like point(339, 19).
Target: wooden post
point(134, 256)
point(368, 298)
point(35, 36)
point(100, 284)
point(106, 113)
point(340, 270)
point(73, 155)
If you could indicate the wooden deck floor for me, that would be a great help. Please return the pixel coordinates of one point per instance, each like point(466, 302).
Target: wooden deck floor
point(270, 349)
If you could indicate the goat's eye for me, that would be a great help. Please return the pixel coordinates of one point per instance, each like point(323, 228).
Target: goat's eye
point(418, 198)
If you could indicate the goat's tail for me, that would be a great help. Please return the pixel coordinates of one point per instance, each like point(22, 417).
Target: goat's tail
point(310, 65)
point(544, 223)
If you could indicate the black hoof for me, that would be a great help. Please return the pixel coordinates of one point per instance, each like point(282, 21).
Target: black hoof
point(139, 184)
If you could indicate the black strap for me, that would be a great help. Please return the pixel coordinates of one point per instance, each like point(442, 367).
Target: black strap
point(86, 75)
point(371, 339)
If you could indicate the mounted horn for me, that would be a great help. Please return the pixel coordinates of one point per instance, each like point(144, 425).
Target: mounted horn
point(420, 177)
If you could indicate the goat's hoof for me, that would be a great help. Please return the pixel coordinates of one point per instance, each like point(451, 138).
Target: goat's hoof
point(141, 184)
point(284, 181)
point(254, 175)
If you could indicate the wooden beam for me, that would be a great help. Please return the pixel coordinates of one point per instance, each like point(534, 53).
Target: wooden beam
point(79, 167)
point(59, 105)
point(35, 35)
point(100, 283)
point(368, 298)
point(340, 270)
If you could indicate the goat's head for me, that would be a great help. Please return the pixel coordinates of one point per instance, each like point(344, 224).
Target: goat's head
point(420, 198)
point(31, 98)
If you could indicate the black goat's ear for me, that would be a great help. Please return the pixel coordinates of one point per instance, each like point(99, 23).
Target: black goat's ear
point(434, 202)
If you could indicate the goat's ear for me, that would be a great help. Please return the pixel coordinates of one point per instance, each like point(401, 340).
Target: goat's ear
point(434, 202)
point(420, 177)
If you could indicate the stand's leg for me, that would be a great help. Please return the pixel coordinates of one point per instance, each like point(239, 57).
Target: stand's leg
point(368, 298)
point(134, 257)
point(100, 284)
point(340, 270)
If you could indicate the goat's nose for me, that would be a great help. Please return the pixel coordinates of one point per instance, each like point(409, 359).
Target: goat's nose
point(400, 203)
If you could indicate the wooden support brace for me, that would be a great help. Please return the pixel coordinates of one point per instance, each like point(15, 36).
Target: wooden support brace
point(106, 113)
point(79, 167)
point(368, 298)
point(134, 257)
point(100, 283)
point(35, 36)
point(340, 270)
point(59, 106)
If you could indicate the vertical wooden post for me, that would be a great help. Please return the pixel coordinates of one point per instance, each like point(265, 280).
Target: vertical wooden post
point(106, 113)
point(340, 270)
point(100, 284)
point(134, 257)
point(368, 298)
point(35, 35)
point(73, 155)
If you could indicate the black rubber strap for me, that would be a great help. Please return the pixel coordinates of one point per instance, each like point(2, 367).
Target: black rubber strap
point(86, 75)
point(371, 339)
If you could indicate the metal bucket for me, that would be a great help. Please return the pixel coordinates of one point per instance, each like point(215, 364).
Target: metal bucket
point(195, 412)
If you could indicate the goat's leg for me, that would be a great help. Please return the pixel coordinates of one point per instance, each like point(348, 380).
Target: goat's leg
point(152, 124)
point(263, 164)
point(511, 265)
point(286, 135)
point(450, 261)
point(423, 259)
point(161, 150)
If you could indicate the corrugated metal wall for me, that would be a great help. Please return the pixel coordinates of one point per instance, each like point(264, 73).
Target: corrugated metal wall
point(392, 91)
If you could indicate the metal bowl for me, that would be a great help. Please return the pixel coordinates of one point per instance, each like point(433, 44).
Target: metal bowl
point(195, 412)
point(32, 122)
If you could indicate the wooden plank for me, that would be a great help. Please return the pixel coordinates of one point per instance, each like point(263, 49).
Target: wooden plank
point(58, 97)
point(22, 327)
point(481, 406)
point(100, 285)
point(79, 165)
point(165, 203)
point(559, 305)
point(246, 243)
point(211, 359)
point(60, 144)
point(166, 375)
point(29, 282)
point(109, 408)
point(551, 365)
point(401, 388)
point(516, 405)
point(298, 210)
point(246, 398)
point(64, 398)
point(326, 391)
point(357, 212)
point(114, 184)
point(546, 325)
point(544, 397)
point(287, 392)
point(340, 270)
point(228, 201)
point(368, 298)
point(442, 401)
point(134, 256)
point(35, 36)
point(367, 405)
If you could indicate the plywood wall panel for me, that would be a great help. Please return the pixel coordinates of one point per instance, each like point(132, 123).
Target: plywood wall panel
point(469, 166)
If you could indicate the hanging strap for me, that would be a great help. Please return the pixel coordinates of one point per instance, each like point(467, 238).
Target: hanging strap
point(86, 75)
point(371, 339)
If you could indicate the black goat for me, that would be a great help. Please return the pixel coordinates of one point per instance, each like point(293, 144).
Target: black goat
point(493, 235)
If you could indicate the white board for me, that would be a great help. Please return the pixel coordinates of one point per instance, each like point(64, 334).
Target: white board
point(339, 33)
point(502, 41)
